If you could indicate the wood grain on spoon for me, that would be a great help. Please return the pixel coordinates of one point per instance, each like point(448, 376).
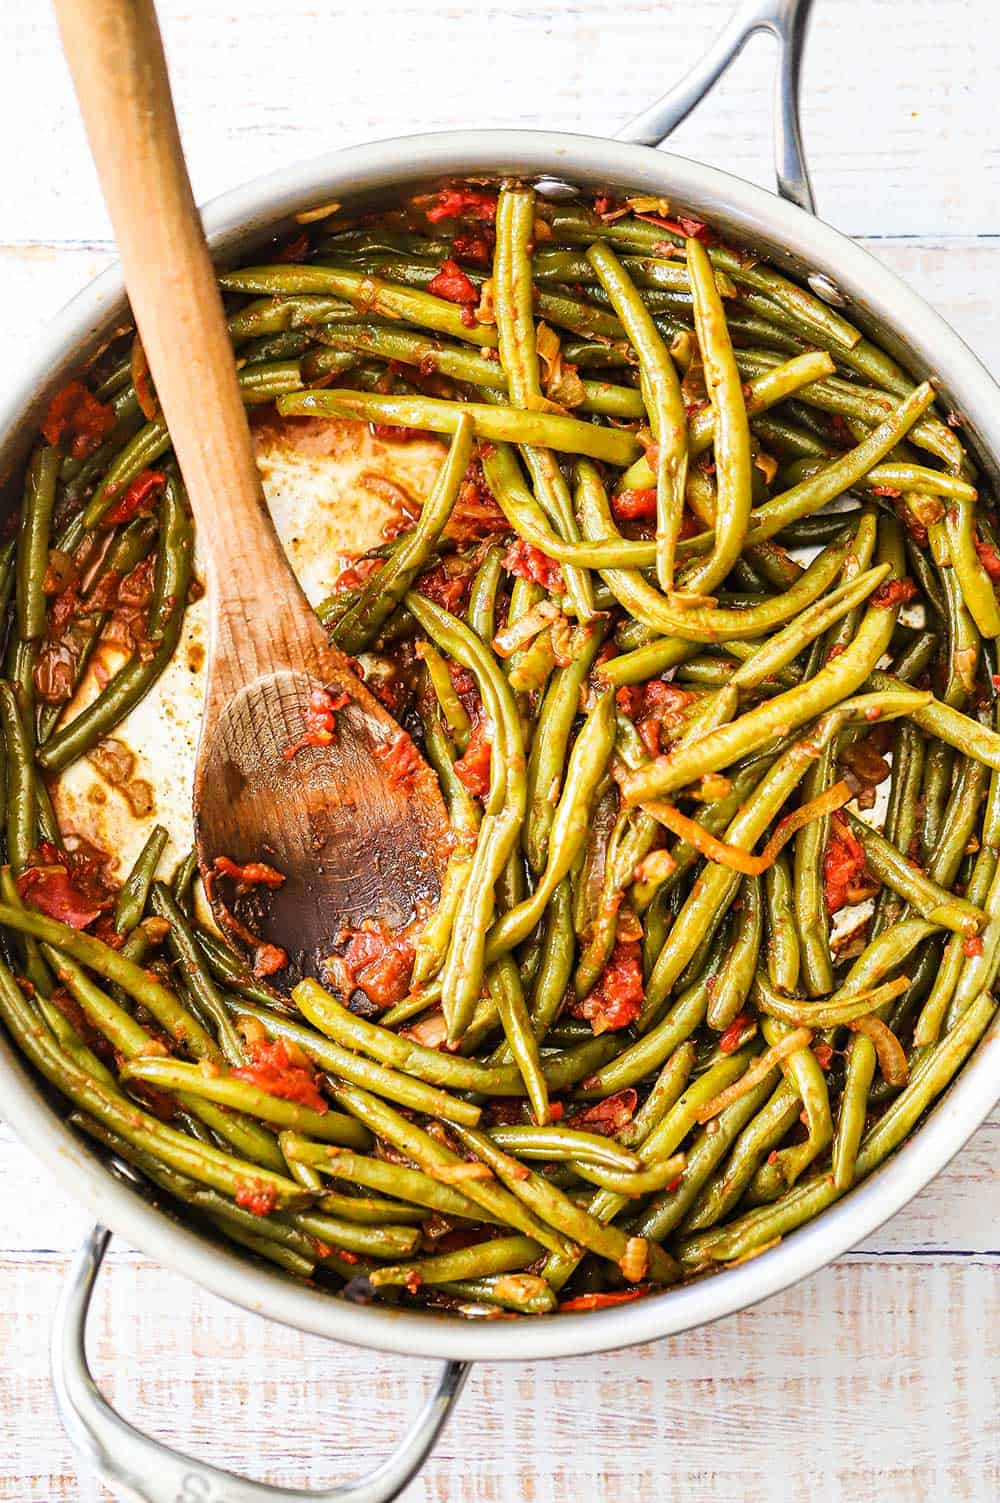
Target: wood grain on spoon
point(351, 840)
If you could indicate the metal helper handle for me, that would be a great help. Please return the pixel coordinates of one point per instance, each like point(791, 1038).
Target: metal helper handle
point(144, 1470)
point(787, 21)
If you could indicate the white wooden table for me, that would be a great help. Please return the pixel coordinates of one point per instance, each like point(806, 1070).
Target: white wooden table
point(878, 1378)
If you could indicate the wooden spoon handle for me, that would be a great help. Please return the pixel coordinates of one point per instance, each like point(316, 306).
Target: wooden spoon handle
point(116, 58)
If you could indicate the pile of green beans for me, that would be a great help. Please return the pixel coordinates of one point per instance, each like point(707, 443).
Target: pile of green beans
point(712, 698)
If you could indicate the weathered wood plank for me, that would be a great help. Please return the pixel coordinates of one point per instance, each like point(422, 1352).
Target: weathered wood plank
point(898, 119)
point(863, 1382)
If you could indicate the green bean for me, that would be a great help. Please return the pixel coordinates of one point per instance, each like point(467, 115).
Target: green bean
point(947, 724)
point(731, 438)
point(758, 1228)
point(703, 623)
point(504, 986)
point(483, 1259)
point(659, 1042)
point(783, 952)
point(724, 1188)
point(22, 809)
point(241, 1095)
point(166, 618)
point(430, 1065)
point(834, 682)
point(784, 647)
point(197, 1160)
point(555, 1209)
point(664, 404)
point(33, 542)
point(113, 966)
point(662, 1142)
point(504, 812)
point(522, 1293)
point(386, 587)
point(931, 900)
point(564, 1143)
point(365, 293)
point(450, 705)
point(825, 1012)
point(496, 423)
point(227, 967)
point(439, 1161)
point(587, 762)
point(710, 898)
point(839, 475)
point(197, 978)
point(344, 1063)
point(636, 1184)
point(853, 1110)
point(134, 893)
point(669, 1209)
point(783, 1168)
point(407, 1185)
point(732, 985)
point(547, 758)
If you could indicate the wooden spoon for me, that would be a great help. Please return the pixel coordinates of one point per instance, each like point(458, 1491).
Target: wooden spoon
point(351, 840)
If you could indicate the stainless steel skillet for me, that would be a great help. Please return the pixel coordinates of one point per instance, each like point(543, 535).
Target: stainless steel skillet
point(781, 228)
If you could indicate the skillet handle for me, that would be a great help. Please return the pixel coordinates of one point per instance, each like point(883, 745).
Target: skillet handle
point(143, 1470)
point(787, 21)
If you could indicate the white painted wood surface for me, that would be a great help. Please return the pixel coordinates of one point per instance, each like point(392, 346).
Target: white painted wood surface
point(878, 1379)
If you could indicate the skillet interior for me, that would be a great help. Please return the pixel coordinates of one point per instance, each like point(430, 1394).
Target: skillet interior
point(368, 178)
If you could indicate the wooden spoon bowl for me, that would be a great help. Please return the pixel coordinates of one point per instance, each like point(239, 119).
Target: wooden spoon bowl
point(349, 837)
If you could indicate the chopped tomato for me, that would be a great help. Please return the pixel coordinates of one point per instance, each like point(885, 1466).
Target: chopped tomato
point(473, 767)
point(475, 514)
point(889, 491)
point(606, 1117)
point(655, 708)
point(894, 592)
point(617, 999)
point(402, 761)
point(634, 505)
point(267, 959)
point(843, 868)
point(655, 697)
point(75, 1015)
point(256, 1196)
point(355, 575)
point(139, 499)
point(603, 1300)
point(399, 432)
point(448, 583)
point(989, 558)
point(691, 229)
point(824, 1055)
point(453, 285)
point(528, 562)
point(464, 685)
point(463, 203)
point(75, 414)
point(65, 886)
point(252, 874)
point(475, 249)
point(271, 1068)
point(730, 1039)
point(320, 721)
point(63, 609)
point(376, 962)
point(972, 946)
